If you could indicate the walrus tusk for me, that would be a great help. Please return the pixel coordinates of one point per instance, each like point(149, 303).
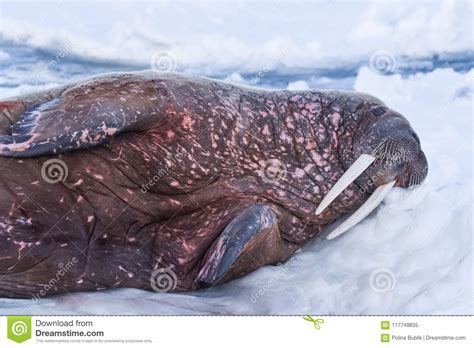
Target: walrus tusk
point(373, 202)
point(356, 169)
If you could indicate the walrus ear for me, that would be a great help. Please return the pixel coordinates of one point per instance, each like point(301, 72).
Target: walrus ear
point(250, 241)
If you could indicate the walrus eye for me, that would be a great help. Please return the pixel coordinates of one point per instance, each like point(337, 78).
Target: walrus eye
point(378, 111)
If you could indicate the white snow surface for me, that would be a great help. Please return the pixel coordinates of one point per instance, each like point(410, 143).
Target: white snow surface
point(411, 256)
point(208, 36)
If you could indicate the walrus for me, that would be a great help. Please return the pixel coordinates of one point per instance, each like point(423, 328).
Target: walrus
point(201, 180)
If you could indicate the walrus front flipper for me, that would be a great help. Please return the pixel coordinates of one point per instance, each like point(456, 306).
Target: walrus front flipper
point(83, 116)
point(250, 241)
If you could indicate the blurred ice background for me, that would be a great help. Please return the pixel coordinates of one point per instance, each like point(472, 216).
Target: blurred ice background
point(413, 255)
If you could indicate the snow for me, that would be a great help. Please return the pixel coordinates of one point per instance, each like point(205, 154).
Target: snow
point(411, 256)
point(297, 86)
point(208, 36)
point(4, 55)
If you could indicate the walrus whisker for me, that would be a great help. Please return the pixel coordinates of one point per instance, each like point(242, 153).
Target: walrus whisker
point(381, 150)
point(416, 179)
point(373, 202)
point(362, 163)
point(410, 181)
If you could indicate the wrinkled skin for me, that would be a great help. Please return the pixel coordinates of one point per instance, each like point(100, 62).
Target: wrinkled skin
point(187, 183)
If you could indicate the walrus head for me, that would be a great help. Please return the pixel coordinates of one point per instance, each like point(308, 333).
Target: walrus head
point(386, 152)
point(394, 149)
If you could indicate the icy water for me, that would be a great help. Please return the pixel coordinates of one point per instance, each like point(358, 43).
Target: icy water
point(413, 255)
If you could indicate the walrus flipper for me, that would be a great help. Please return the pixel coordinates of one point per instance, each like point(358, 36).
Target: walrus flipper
point(250, 241)
point(83, 116)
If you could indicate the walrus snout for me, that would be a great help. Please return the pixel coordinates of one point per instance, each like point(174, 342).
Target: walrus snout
point(387, 153)
point(395, 158)
point(395, 150)
point(416, 173)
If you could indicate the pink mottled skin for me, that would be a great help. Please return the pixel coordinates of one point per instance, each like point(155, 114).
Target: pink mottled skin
point(185, 159)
